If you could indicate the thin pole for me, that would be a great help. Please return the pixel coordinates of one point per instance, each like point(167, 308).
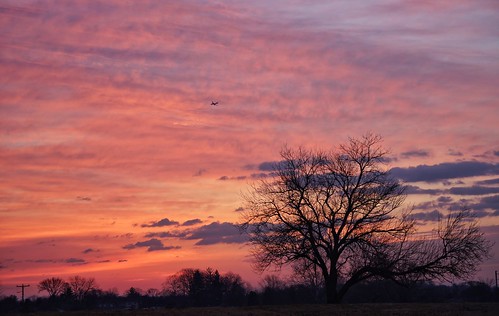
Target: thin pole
point(22, 286)
point(496, 279)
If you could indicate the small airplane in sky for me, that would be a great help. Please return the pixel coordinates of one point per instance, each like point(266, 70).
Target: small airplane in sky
point(214, 102)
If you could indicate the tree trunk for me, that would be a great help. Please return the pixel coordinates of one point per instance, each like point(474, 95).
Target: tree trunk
point(332, 296)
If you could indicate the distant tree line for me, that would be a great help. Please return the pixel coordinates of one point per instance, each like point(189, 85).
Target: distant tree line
point(195, 287)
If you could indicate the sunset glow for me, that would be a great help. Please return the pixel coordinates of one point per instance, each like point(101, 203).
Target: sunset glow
point(115, 165)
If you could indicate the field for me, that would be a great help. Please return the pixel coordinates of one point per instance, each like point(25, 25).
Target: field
point(491, 309)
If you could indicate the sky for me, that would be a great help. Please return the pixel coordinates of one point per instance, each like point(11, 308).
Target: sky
point(115, 165)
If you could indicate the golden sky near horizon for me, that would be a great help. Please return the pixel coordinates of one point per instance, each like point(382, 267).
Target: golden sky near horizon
point(115, 165)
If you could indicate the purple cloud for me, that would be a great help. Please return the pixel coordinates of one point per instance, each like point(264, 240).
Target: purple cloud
point(427, 216)
point(413, 189)
point(75, 261)
point(151, 244)
point(225, 178)
point(161, 223)
point(444, 199)
point(444, 171)
point(488, 182)
point(172, 234)
point(215, 233)
point(268, 165)
point(192, 222)
point(489, 202)
point(415, 153)
point(473, 190)
point(455, 153)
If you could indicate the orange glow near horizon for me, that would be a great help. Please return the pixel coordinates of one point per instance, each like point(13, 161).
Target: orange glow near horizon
point(115, 165)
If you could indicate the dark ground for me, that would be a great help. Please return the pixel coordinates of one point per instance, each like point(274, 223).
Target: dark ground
point(440, 309)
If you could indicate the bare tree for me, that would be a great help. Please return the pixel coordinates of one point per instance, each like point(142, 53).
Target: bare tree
point(272, 282)
point(339, 211)
point(179, 283)
point(153, 292)
point(81, 286)
point(53, 286)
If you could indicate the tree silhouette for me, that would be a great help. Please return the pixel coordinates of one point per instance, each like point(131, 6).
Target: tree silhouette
point(81, 286)
point(153, 292)
point(206, 288)
point(339, 211)
point(272, 286)
point(178, 284)
point(133, 293)
point(53, 286)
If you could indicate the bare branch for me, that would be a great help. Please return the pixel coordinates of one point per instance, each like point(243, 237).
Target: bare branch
point(338, 212)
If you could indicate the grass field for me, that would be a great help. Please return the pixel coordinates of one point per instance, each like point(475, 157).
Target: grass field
point(491, 309)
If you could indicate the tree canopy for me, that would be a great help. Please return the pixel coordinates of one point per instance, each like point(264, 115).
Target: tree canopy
point(54, 286)
point(340, 212)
